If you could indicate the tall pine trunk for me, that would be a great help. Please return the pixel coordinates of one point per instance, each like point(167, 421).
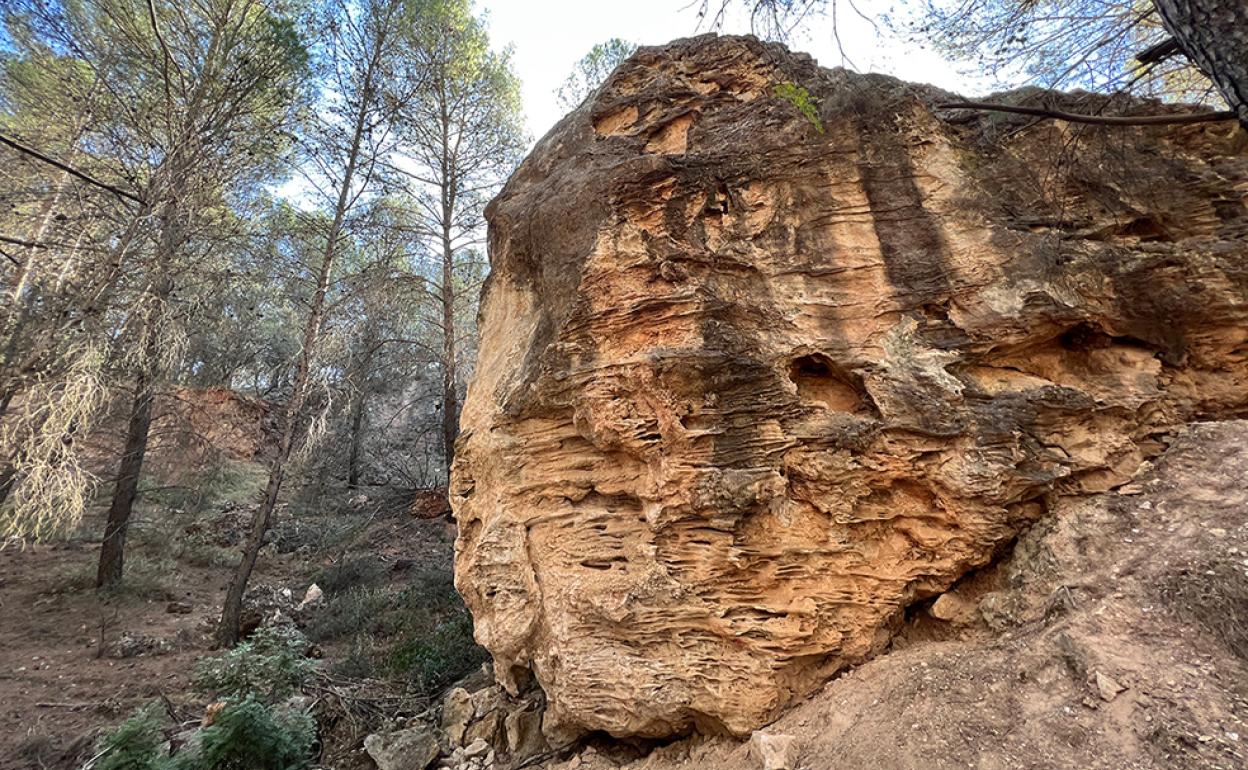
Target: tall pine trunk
point(357, 430)
point(1213, 35)
point(112, 550)
point(146, 375)
point(450, 374)
point(229, 628)
point(232, 611)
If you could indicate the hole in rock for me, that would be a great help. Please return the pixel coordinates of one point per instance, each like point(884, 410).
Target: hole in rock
point(820, 380)
point(1084, 337)
point(1145, 228)
point(602, 564)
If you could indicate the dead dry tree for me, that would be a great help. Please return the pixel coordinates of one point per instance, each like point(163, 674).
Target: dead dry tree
point(44, 486)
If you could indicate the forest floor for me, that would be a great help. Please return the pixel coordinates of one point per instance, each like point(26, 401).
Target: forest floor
point(75, 662)
point(1113, 635)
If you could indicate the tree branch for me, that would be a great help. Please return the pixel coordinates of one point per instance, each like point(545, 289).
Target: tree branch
point(71, 170)
point(1100, 120)
point(1159, 52)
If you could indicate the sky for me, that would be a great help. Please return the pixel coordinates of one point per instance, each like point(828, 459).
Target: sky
point(548, 37)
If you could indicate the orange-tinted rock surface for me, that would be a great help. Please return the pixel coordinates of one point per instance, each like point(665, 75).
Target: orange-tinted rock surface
point(750, 383)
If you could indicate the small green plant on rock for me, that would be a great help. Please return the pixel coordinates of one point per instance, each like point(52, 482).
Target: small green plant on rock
point(800, 98)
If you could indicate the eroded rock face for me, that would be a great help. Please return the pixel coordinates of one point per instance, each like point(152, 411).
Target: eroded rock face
point(749, 384)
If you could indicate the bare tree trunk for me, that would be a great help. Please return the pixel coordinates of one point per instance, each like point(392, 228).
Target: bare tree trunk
point(232, 611)
point(140, 422)
point(1213, 34)
point(450, 390)
point(357, 426)
point(450, 373)
point(113, 548)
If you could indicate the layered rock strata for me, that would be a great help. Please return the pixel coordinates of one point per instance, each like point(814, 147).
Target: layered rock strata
point(771, 352)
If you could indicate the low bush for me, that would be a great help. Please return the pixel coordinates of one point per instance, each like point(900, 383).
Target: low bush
point(435, 659)
point(245, 735)
point(137, 743)
point(248, 735)
point(197, 551)
point(353, 573)
point(1213, 593)
point(360, 611)
point(270, 664)
point(224, 483)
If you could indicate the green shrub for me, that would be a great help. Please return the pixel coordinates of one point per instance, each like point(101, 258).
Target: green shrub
point(271, 664)
point(353, 573)
point(248, 735)
point(360, 611)
point(136, 744)
point(225, 482)
point(142, 577)
point(435, 660)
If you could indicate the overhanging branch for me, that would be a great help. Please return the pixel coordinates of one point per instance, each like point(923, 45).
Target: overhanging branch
point(1159, 52)
point(1099, 120)
point(71, 170)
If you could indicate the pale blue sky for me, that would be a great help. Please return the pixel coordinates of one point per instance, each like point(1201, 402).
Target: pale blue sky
point(549, 36)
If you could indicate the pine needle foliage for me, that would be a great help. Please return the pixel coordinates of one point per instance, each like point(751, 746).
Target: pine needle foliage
point(270, 664)
point(136, 744)
point(248, 735)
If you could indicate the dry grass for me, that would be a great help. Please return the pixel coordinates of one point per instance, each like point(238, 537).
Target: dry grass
point(1214, 594)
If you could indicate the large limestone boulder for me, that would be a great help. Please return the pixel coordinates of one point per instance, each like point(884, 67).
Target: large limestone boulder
point(754, 378)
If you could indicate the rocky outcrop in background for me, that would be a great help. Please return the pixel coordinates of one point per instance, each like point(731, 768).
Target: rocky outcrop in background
point(771, 352)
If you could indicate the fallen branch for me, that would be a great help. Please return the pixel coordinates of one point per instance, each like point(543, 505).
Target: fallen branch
point(71, 170)
point(1100, 120)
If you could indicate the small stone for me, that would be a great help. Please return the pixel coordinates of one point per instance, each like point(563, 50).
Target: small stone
point(412, 749)
point(312, 596)
point(179, 608)
point(952, 608)
point(772, 750)
point(1107, 686)
point(477, 748)
point(457, 712)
